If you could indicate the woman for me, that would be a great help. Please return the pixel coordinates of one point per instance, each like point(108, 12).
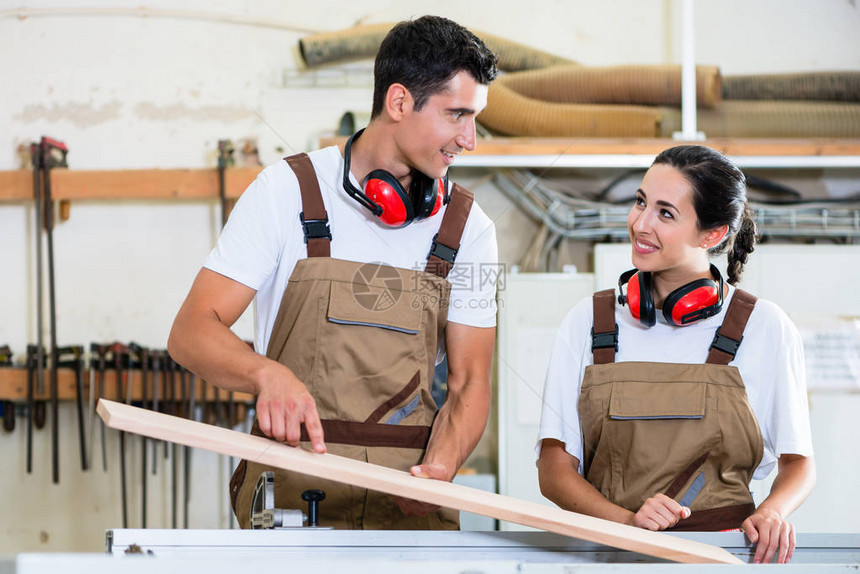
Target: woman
point(653, 419)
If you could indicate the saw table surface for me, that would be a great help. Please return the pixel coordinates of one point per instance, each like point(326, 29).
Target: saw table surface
point(372, 552)
point(449, 545)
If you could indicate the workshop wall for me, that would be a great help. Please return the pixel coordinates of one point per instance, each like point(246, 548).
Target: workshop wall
point(128, 92)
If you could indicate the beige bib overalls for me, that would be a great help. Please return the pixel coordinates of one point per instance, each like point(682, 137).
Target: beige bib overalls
point(362, 337)
point(684, 430)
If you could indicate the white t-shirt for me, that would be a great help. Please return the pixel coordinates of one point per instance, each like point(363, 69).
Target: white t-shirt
point(770, 361)
point(263, 240)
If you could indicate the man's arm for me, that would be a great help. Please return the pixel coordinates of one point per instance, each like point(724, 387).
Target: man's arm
point(202, 341)
point(462, 419)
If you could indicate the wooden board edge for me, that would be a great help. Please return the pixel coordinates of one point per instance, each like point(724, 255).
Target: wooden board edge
point(365, 475)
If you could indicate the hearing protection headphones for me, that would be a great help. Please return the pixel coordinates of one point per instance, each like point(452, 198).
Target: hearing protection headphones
point(687, 304)
point(383, 195)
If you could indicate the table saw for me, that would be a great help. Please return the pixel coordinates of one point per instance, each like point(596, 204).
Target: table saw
point(327, 551)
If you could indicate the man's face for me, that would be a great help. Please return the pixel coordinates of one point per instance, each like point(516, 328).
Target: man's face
point(430, 138)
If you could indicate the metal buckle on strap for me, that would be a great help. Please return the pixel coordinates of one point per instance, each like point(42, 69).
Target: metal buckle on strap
point(726, 344)
point(442, 251)
point(604, 340)
point(315, 228)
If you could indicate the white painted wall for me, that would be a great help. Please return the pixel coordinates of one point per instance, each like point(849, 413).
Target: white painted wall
point(130, 92)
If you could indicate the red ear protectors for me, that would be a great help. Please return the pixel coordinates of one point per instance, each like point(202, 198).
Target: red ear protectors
point(383, 195)
point(687, 304)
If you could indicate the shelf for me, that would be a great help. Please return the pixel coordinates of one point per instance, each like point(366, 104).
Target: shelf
point(196, 184)
point(13, 387)
point(635, 153)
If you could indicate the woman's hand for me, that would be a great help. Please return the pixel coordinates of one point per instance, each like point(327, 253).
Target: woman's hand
point(771, 533)
point(659, 513)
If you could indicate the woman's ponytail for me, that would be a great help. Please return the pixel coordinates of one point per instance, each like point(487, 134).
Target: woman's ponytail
point(743, 244)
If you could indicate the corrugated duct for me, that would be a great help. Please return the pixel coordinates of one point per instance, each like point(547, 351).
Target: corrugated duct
point(636, 85)
point(837, 86)
point(362, 42)
point(780, 119)
point(513, 114)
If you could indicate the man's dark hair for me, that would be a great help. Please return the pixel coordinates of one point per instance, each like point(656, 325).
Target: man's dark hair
point(424, 54)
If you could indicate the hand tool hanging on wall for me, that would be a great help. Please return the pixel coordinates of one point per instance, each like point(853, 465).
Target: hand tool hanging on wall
point(98, 363)
point(187, 378)
point(37, 409)
point(91, 405)
point(76, 362)
point(31, 383)
point(143, 361)
point(8, 406)
point(170, 368)
point(155, 359)
point(53, 154)
point(120, 355)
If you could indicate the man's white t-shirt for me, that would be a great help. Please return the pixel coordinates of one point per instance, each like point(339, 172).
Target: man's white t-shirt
point(770, 361)
point(263, 240)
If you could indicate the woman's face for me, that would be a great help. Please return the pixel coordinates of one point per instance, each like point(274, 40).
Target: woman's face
point(663, 225)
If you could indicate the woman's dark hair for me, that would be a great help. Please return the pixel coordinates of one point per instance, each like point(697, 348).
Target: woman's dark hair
point(424, 54)
point(719, 197)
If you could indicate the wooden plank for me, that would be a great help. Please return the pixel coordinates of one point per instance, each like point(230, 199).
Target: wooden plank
point(16, 185)
point(398, 483)
point(13, 387)
point(652, 146)
point(155, 184)
point(149, 183)
point(159, 184)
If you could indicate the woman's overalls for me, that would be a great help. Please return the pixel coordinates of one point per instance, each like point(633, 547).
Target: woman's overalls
point(686, 431)
point(362, 337)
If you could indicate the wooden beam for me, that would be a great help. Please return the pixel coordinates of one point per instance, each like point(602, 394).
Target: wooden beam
point(399, 483)
point(16, 185)
point(652, 146)
point(13, 387)
point(149, 183)
point(195, 184)
point(155, 184)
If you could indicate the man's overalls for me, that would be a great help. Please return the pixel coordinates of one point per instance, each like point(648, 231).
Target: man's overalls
point(684, 430)
point(362, 337)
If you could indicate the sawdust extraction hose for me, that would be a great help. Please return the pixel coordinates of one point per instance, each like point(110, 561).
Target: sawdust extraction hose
point(635, 85)
point(362, 42)
point(777, 119)
point(838, 86)
point(513, 114)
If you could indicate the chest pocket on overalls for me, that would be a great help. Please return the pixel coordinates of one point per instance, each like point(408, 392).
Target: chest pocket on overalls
point(375, 351)
point(652, 421)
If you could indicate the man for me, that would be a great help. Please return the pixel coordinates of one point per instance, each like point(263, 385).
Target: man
point(350, 309)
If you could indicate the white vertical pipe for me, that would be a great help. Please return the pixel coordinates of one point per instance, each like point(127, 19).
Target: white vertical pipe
point(688, 75)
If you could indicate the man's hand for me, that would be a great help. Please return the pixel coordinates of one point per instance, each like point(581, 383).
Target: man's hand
point(411, 507)
point(283, 404)
point(770, 532)
point(659, 513)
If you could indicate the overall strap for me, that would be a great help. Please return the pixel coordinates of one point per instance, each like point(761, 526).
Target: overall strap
point(728, 337)
point(446, 243)
point(313, 217)
point(604, 332)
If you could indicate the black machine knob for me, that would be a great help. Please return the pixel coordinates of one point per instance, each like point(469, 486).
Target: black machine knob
point(313, 498)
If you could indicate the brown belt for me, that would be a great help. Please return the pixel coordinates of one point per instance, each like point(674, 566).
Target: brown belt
point(714, 519)
point(367, 434)
point(370, 434)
